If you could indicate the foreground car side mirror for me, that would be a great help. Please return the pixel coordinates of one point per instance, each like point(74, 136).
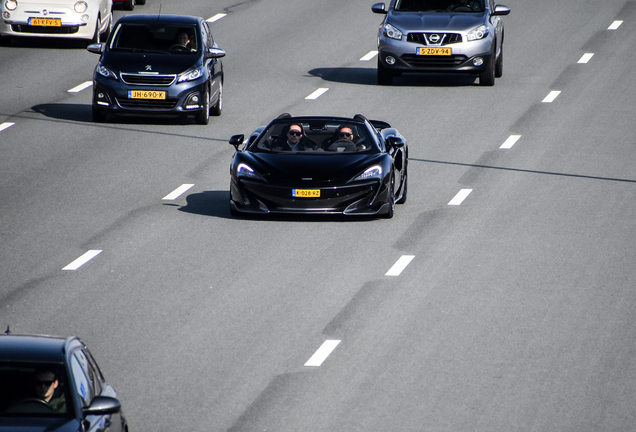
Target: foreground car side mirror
point(237, 140)
point(379, 8)
point(215, 53)
point(96, 48)
point(396, 142)
point(501, 10)
point(102, 405)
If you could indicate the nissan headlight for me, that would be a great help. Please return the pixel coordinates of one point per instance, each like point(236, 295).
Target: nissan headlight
point(80, 6)
point(477, 33)
point(374, 172)
point(392, 32)
point(191, 75)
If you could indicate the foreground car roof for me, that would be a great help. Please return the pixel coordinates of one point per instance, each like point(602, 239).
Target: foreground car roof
point(33, 348)
point(149, 18)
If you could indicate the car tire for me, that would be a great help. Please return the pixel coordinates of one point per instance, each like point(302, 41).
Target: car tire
point(385, 77)
point(405, 188)
point(98, 116)
point(218, 106)
point(487, 77)
point(499, 64)
point(129, 5)
point(203, 118)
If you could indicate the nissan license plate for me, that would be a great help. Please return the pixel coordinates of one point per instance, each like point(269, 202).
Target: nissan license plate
point(306, 193)
point(45, 22)
point(146, 94)
point(434, 51)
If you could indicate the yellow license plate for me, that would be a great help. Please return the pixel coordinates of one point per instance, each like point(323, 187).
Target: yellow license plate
point(434, 51)
point(306, 193)
point(146, 94)
point(45, 22)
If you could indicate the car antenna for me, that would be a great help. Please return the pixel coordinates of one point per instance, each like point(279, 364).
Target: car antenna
point(8, 330)
point(159, 16)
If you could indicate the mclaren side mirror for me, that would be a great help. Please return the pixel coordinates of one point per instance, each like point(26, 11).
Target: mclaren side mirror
point(396, 142)
point(237, 140)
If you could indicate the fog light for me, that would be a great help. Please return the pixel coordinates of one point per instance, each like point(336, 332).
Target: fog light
point(102, 99)
point(85, 18)
point(6, 15)
point(192, 101)
point(478, 61)
point(390, 60)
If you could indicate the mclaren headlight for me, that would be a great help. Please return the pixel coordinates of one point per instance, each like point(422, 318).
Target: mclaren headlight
point(477, 33)
point(392, 32)
point(105, 72)
point(374, 172)
point(245, 171)
point(191, 75)
point(80, 6)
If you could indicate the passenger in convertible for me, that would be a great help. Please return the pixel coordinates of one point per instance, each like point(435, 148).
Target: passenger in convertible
point(343, 140)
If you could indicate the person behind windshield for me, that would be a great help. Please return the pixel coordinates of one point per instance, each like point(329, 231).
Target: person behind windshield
point(464, 4)
point(294, 140)
point(183, 40)
point(47, 388)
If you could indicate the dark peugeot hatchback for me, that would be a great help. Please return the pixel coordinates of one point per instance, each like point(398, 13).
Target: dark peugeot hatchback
point(158, 65)
point(52, 384)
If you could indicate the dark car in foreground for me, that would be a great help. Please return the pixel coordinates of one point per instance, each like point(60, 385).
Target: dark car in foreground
point(53, 384)
point(159, 66)
point(441, 36)
point(320, 165)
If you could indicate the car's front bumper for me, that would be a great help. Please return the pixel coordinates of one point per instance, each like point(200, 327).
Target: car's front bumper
point(71, 24)
point(181, 99)
point(466, 57)
point(368, 198)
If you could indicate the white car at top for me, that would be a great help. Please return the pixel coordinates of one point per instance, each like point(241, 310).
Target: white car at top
point(89, 20)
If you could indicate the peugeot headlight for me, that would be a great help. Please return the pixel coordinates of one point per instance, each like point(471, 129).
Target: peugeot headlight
point(191, 75)
point(80, 6)
point(244, 170)
point(105, 72)
point(477, 33)
point(372, 172)
point(11, 5)
point(392, 32)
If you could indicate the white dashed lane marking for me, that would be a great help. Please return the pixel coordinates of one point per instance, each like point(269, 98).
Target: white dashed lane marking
point(369, 56)
point(82, 260)
point(323, 352)
point(460, 197)
point(317, 93)
point(512, 139)
point(616, 24)
point(586, 58)
point(551, 96)
point(4, 126)
point(400, 265)
point(177, 192)
point(216, 17)
point(81, 87)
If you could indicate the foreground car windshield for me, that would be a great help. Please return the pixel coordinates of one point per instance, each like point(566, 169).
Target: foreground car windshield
point(439, 6)
point(34, 390)
point(163, 38)
point(318, 137)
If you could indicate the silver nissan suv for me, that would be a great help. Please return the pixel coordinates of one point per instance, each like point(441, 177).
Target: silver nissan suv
point(441, 36)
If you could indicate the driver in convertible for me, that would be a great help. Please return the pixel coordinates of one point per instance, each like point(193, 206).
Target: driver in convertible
point(294, 140)
point(46, 386)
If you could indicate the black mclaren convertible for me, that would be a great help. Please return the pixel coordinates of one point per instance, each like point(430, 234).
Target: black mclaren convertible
point(319, 165)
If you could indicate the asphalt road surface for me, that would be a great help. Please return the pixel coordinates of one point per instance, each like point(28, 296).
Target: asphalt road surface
point(513, 307)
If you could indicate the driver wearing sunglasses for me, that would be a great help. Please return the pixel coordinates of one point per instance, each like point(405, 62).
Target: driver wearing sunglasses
point(294, 140)
point(46, 384)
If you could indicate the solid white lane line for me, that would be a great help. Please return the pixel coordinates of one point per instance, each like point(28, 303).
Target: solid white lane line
point(369, 56)
point(399, 265)
point(317, 93)
point(82, 260)
point(551, 96)
point(323, 352)
point(616, 24)
point(460, 197)
point(512, 139)
point(6, 125)
point(586, 58)
point(216, 17)
point(177, 192)
point(81, 87)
